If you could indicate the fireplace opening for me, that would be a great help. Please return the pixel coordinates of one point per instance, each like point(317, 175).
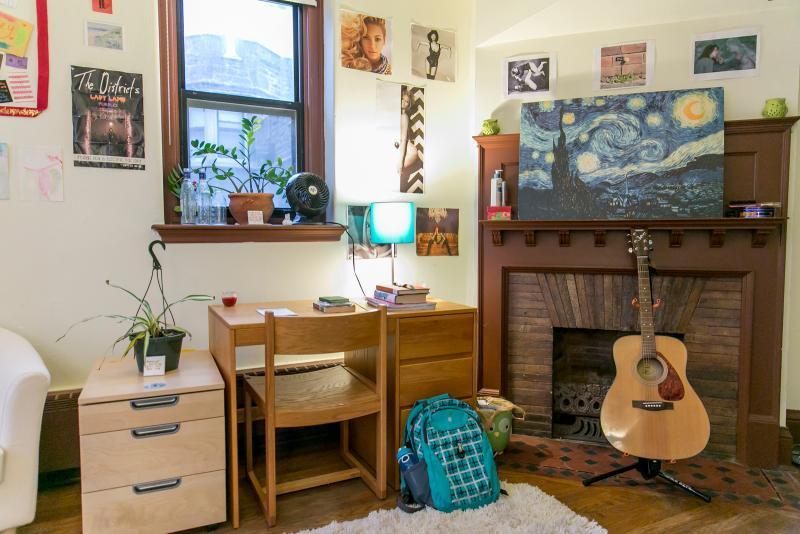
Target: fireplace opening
point(583, 371)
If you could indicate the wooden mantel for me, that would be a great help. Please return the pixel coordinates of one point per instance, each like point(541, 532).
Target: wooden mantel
point(756, 167)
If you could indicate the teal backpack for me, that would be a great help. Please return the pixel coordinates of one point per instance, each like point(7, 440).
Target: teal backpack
point(452, 449)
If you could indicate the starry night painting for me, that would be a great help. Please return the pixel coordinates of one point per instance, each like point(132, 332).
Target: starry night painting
point(636, 156)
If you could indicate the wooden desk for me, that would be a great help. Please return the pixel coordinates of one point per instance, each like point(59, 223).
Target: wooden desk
point(430, 352)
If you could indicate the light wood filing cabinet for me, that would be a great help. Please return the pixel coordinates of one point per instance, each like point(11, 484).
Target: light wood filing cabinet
point(430, 353)
point(152, 448)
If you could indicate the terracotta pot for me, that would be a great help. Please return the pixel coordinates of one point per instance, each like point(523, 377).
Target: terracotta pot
point(241, 203)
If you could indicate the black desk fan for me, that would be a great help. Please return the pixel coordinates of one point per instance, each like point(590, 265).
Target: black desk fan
point(308, 196)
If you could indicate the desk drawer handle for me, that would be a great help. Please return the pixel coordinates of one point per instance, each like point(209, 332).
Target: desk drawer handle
point(155, 402)
point(160, 485)
point(153, 431)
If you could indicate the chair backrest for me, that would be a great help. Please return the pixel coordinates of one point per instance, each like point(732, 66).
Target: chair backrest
point(325, 334)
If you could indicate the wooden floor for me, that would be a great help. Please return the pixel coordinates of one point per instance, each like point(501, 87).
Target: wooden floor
point(619, 509)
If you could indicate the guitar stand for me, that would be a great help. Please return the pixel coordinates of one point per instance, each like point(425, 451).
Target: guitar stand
point(649, 469)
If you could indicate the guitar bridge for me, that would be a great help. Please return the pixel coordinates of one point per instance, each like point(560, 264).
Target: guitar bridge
point(652, 406)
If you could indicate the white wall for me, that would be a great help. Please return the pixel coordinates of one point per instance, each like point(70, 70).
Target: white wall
point(744, 98)
point(56, 256)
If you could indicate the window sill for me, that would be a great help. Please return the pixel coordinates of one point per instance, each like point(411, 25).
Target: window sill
point(252, 233)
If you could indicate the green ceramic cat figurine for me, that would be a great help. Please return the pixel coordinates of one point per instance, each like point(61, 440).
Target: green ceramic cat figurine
point(490, 127)
point(775, 108)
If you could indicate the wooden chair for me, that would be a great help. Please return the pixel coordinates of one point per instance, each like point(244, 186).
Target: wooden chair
point(336, 394)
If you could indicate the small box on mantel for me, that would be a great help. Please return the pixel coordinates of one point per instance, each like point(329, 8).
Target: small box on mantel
point(498, 213)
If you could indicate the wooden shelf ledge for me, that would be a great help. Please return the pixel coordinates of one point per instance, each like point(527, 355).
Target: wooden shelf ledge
point(760, 228)
point(251, 233)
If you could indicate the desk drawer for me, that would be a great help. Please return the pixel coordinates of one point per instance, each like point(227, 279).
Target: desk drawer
point(437, 335)
point(426, 379)
point(114, 459)
point(110, 416)
point(162, 506)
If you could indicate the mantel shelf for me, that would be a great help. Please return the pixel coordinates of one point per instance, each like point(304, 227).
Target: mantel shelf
point(252, 233)
point(760, 228)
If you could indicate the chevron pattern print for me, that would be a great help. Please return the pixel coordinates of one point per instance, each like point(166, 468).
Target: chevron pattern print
point(413, 180)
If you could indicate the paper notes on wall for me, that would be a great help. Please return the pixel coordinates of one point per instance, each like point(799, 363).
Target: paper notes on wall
point(41, 172)
point(14, 34)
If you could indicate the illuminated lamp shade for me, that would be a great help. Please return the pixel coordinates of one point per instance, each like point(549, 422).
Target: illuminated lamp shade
point(391, 222)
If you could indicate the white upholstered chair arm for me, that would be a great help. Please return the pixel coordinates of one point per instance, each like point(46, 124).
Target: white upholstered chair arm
point(24, 381)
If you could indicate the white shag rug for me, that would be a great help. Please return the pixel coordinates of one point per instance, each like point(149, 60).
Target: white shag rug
point(526, 508)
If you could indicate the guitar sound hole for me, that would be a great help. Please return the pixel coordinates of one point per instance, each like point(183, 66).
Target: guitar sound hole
point(650, 369)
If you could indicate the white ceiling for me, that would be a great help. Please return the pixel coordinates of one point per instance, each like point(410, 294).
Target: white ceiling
point(502, 21)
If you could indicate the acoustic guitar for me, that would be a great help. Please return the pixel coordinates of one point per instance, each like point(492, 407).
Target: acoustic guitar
point(651, 411)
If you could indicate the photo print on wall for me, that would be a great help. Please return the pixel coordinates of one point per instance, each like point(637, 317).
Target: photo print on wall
point(400, 135)
point(624, 65)
point(437, 232)
point(102, 35)
point(728, 54)
point(636, 156)
point(365, 43)
point(531, 74)
point(433, 53)
point(358, 226)
point(107, 119)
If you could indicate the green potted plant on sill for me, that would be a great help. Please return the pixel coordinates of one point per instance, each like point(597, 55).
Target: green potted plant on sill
point(249, 192)
point(149, 334)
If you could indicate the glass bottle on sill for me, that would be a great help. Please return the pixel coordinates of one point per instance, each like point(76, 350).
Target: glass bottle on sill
point(188, 203)
point(203, 195)
point(219, 208)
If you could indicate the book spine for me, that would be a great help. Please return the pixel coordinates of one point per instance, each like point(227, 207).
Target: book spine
point(383, 295)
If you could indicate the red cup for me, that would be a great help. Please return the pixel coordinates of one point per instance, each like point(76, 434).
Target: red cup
point(229, 298)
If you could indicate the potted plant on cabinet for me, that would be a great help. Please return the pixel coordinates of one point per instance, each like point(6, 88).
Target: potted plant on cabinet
point(249, 191)
point(148, 333)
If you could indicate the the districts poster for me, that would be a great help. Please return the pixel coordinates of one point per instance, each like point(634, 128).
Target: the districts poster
point(107, 119)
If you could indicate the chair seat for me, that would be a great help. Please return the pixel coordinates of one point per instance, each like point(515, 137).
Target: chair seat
point(317, 397)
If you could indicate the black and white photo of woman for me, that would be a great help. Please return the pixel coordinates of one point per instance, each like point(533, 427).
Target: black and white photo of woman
point(409, 146)
point(432, 53)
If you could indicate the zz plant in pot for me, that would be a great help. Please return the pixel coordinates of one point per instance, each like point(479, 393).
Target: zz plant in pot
point(149, 333)
point(249, 181)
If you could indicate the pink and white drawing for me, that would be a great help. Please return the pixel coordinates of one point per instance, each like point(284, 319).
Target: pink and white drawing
point(42, 173)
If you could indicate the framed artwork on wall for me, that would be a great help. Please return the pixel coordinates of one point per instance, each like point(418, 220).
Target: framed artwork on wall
point(728, 54)
point(624, 65)
point(529, 75)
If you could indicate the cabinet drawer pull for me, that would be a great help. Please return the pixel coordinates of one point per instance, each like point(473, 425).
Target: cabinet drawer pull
point(160, 485)
point(155, 402)
point(153, 431)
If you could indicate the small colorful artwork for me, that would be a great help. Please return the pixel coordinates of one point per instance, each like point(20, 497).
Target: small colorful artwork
point(533, 74)
point(102, 6)
point(14, 34)
point(624, 65)
point(5, 191)
point(103, 35)
point(636, 156)
point(5, 92)
point(358, 227)
point(21, 88)
point(437, 232)
point(729, 54)
point(16, 61)
point(42, 173)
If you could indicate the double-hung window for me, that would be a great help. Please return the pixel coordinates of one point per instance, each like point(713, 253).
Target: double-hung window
point(222, 61)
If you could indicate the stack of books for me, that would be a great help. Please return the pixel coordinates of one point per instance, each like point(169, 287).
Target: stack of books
point(334, 305)
point(407, 297)
point(750, 209)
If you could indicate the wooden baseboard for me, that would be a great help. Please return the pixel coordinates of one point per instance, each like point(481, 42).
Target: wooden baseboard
point(793, 424)
point(785, 444)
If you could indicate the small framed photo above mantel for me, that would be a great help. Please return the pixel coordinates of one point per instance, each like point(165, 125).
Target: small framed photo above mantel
point(103, 35)
point(726, 54)
point(530, 75)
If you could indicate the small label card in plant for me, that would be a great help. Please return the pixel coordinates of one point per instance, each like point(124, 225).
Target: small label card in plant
point(255, 217)
point(154, 365)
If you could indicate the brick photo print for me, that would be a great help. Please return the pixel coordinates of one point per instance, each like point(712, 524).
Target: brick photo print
point(624, 65)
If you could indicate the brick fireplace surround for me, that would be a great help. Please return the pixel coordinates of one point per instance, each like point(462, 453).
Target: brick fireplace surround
point(721, 281)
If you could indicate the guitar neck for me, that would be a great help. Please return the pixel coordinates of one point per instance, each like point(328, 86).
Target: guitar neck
point(646, 323)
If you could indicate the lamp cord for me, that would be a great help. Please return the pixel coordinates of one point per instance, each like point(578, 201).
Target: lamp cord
point(352, 255)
